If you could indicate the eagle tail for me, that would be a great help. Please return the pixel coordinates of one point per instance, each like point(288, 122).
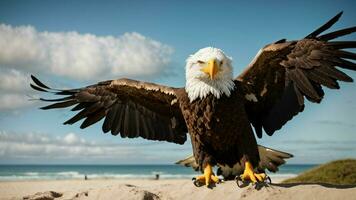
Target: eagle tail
point(270, 159)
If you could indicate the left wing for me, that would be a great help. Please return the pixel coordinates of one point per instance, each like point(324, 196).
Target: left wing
point(285, 72)
point(131, 108)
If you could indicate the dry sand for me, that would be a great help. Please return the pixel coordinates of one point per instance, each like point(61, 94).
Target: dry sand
point(166, 189)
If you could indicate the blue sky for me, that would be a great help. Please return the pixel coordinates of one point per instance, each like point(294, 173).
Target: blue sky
point(75, 43)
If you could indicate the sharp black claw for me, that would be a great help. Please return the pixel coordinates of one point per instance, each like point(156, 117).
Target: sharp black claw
point(241, 183)
point(268, 180)
point(196, 182)
point(258, 185)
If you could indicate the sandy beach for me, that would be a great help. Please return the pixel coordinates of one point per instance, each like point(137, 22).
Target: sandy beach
point(166, 189)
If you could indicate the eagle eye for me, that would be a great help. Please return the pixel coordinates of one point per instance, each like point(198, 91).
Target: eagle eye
point(200, 62)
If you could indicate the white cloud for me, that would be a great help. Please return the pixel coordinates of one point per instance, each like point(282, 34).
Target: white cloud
point(13, 101)
point(81, 56)
point(24, 50)
point(14, 89)
point(71, 138)
point(13, 81)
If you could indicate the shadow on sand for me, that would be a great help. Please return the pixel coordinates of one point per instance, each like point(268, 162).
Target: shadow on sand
point(327, 185)
point(259, 186)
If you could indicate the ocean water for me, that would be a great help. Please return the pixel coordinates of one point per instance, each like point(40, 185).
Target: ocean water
point(60, 172)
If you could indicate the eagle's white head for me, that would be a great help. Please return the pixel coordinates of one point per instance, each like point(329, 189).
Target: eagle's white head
point(208, 71)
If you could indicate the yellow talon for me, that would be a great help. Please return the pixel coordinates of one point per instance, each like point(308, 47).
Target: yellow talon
point(249, 174)
point(208, 176)
point(215, 179)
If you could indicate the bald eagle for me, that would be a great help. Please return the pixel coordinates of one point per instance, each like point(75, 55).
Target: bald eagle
point(218, 110)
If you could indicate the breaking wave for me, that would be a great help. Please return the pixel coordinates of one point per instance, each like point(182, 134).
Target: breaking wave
point(61, 172)
point(77, 175)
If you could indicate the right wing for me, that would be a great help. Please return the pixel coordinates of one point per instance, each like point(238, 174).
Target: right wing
point(286, 72)
point(131, 108)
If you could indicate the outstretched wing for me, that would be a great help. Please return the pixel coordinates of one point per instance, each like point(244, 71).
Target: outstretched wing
point(131, 108)
point(285, 72)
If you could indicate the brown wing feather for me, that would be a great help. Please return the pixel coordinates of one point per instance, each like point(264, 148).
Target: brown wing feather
point(284, 73)
point(131, 108)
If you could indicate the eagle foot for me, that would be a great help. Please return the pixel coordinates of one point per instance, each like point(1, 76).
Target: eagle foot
point(208, 178)
point(249, 176)
point(243, 183)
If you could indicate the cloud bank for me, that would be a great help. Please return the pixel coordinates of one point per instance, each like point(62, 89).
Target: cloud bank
point(72, 55)
point(33, 146)
point(81, 56)
point(43, 148)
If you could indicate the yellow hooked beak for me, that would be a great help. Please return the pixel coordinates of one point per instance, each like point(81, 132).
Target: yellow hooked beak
point(211, 68)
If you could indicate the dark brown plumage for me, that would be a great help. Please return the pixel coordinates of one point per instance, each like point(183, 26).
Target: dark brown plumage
point(217, 136)
point(131, 108)
point(291, 70)
point(279, 78)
